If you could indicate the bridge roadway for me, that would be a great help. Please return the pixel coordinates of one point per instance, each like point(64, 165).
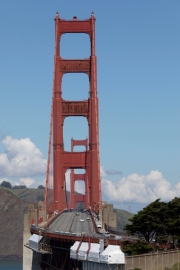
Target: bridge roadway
point(73, 223)
point(68, 227)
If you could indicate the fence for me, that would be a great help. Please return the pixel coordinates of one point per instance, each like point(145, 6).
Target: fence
point(154, 261)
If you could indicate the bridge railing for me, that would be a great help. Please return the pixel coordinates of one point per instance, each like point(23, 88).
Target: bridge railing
point(94, 223)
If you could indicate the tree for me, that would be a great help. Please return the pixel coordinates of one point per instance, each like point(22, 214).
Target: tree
point(159, 221)
point(149, 223)
point(6, 184)
point(20, 187)
point(40, 198)
point(173, 220)
point(41, 187)
point(139, 247)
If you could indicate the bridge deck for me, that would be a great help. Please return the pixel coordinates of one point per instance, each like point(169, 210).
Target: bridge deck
point(73, 222)
point(70, 226)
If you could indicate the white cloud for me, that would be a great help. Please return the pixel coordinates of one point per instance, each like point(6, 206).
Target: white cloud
point(139, 189)
point(21, 158)
point(102, 171)
point(22, 181)
point(27, 181)
point(67, 176)
point(134, 188)
point(80, 187)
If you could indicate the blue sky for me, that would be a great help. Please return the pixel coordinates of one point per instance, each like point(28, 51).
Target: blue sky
point(138, 54)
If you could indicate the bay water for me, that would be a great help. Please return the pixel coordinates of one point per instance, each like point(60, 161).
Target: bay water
point(10, 264)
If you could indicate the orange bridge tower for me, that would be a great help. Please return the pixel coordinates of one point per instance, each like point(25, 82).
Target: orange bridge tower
point(64, 160)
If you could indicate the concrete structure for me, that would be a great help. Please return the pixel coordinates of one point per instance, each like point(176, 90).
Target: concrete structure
point(108, 216)
point(154, 261)
point(42, 213)
point(96, 266)
point(31, 259)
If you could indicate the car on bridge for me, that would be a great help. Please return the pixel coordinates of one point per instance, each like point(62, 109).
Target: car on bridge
point(107, 234)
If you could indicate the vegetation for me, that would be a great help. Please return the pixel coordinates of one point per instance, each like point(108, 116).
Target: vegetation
point(41, 187)
point(40, 198)
point(159, 222)
point(176, 266)
point(6, 184)
point(122, 218)
point(140, 247)
point(29, 195)
point(19, 187)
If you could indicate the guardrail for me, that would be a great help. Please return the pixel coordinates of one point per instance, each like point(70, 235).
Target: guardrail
point(51, 219)
point(94, 223)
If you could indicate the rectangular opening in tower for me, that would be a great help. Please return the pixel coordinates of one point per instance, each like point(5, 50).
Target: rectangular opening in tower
point(75, 86)
point(76, 128)
point(74, 46)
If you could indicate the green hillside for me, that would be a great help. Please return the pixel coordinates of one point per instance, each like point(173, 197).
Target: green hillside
point(29, 195)
point(122, 218)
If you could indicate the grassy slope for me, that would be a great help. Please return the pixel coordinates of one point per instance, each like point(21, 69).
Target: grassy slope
point(13, 205)
point(29, 195)
point(122, 217)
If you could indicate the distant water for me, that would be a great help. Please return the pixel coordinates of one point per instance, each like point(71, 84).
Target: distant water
point(10, 265)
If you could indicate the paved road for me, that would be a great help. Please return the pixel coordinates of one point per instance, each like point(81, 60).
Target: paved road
point(71, 222)
point(82, 226)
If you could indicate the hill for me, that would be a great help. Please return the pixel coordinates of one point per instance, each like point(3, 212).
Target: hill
point(122, 218)
point(29, 195)
point(12, 210)
point(13, 206)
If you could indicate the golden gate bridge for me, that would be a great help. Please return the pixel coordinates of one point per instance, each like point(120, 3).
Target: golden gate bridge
point(61, 237)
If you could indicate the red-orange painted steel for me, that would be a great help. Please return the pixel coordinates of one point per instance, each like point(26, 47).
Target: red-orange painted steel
point(68, 238)
point(89, 159)
point(74, 198)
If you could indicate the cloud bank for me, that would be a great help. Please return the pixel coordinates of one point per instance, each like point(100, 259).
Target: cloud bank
point(139, 188)
point(22, 161)
point(21, 158)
